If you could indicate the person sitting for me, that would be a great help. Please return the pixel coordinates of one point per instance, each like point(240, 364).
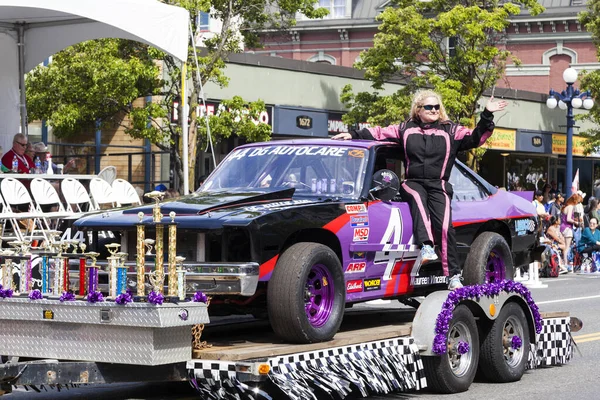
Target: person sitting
point(41, 151)
point(17, 152)
point(558, 241)
point(590, 238)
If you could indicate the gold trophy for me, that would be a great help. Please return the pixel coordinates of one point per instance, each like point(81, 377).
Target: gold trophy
point(157, 277)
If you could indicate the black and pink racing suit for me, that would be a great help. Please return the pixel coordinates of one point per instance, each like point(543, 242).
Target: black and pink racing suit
point(429, 154)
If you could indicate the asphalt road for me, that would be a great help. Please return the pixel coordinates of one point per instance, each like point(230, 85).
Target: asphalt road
point(578, 294)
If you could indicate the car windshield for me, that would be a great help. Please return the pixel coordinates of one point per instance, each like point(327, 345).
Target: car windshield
point(331, 171)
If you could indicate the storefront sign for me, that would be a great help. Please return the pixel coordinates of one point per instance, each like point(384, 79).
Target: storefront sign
point(213, 108)
point(559, 144)
point(335, 124)
point(304, 122)
point(502, 139)
point(534, 141)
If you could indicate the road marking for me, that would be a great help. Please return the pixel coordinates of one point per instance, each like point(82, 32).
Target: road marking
point(587, 340)
point(571, 299)
point(587, 335)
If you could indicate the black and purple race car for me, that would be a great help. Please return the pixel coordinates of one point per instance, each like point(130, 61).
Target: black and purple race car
point(301, 229)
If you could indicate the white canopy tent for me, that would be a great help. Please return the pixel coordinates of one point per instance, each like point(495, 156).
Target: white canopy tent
point(33, 30)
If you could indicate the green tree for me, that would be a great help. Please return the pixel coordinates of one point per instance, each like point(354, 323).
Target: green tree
point(454, 47)
point(99, 80)
point(591, 81)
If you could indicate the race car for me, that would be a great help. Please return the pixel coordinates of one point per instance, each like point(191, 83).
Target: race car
point(299, 230)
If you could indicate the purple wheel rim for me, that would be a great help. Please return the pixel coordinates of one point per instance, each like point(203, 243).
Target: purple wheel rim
point(495, 270)
point(319, 295)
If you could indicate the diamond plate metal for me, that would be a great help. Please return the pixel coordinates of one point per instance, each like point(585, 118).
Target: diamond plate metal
point(82, 312)
point(137, 333)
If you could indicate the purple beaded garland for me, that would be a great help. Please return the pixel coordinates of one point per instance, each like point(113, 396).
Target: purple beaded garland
point(442, 323)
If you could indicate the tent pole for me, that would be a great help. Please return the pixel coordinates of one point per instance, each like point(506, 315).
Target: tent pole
point(184, 131)
point(23, 105)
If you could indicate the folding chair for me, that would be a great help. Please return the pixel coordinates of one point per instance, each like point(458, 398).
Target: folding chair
point(45, 195)
point(125, 193)
point(15, 194)
point(102, 193)
point(109, 174)
point(76, 196)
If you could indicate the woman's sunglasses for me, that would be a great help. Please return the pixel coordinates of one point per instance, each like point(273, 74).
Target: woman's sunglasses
point(430, 107)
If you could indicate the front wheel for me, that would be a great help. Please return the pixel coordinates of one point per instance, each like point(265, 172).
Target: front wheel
point(489, 260)
point(454, 371)
point(306, 294)
point(505, 349)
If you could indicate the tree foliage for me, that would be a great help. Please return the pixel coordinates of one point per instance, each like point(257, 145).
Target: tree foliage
point(591, 81)
point(454, 47)
point(99, 80)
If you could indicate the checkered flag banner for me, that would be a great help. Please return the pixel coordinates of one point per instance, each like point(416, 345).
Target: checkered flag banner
point(379, 367)
point(554, 345)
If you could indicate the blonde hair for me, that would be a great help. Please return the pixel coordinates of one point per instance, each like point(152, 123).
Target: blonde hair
point(418, 100)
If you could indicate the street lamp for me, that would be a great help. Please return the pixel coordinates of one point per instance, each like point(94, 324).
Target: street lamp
point(567, 100)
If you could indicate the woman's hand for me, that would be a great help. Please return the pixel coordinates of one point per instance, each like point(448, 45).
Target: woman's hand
point(493, 106)
point(342, 136)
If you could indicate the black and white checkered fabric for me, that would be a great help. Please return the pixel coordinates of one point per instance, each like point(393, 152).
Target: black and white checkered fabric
point(554, 345)
point(377, 367)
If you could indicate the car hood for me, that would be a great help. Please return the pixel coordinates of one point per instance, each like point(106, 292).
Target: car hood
point(210, 207)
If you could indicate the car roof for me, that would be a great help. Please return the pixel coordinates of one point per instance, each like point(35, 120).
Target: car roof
point(319, 142)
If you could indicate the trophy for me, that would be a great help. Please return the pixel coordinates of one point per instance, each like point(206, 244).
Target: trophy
point(21, 251)
point(92, 272)
point(113, 263)
point(180, 277)
point(121, 285)
point(82, 270)
point(158, 275)
point(7, 270)
point(173, 278)
point(141, 256)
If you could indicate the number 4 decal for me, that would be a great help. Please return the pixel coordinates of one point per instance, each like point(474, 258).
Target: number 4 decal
point(391, 240)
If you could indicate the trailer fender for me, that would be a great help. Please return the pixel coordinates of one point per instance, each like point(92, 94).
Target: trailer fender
point(486, 309)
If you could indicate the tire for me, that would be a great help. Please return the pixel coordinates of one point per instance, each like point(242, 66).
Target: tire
point(499, 362)
point(306, 295)
point(489, 260)
point(452, 372)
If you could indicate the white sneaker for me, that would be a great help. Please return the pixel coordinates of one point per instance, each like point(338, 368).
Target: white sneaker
point(428, 254)
point(455, 282)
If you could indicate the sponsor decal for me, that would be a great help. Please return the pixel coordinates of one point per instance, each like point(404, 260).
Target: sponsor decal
point(359, 220)
point(359, 255)
point(372, 284)
point(356, 267)
point(361, 234)
point(354, 286)
point(356, 153)
point(324, 151)
point(277, 204)
point(356, 208)
point(524, 226)
point(427, 280)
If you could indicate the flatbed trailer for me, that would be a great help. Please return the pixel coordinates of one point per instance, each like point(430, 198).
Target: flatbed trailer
point(377, 351)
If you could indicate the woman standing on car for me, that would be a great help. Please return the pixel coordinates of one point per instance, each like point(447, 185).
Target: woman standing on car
point(429, 142)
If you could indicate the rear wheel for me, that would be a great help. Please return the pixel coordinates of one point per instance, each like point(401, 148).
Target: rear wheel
point(306, 294)
point(505, 349)
point(489, 260)
point(454, 371)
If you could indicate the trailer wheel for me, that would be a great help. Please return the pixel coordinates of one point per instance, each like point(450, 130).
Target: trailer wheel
point(489, 260)
point(306, 294)
point(453, 372)
point(499, 361)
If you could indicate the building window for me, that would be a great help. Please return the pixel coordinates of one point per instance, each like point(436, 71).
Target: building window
point(202, 21)
point(323, 58)
point(452, 46)
point(337, 8)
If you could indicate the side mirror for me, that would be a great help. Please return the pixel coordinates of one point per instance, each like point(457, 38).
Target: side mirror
point(385, 185)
